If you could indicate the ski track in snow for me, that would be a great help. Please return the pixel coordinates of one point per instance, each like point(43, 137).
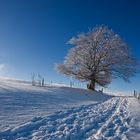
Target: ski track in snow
point(101, 121)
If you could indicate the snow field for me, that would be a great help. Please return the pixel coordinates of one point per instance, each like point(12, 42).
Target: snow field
point(109, 119)
point(61, 113)
point(20, 102)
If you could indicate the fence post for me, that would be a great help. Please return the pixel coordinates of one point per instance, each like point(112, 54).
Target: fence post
point(139, 96)
point(134, 93)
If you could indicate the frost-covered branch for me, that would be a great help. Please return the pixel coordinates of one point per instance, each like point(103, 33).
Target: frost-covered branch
point(98, 56)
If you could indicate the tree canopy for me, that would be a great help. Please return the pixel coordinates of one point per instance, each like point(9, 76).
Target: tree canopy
point(98, 56)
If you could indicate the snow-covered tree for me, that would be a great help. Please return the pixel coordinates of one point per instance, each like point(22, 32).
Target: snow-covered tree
point(98, 56)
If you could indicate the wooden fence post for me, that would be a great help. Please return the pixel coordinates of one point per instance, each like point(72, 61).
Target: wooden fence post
point(139, 96)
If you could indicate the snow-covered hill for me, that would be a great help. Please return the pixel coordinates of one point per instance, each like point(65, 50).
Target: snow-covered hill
point(62, 113)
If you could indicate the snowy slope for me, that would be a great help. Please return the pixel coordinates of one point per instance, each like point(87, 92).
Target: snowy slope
point(134, 109)
point(62, 113)
point(20, 101)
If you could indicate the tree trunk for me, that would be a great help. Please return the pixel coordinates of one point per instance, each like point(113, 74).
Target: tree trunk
point(91, 85)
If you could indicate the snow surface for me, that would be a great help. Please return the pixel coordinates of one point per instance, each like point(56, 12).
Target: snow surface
point(62, 113)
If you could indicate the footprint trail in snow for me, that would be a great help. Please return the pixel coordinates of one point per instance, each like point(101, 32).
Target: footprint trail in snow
point(102, 121)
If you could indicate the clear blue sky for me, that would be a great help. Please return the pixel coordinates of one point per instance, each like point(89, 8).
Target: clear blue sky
point(33, 33)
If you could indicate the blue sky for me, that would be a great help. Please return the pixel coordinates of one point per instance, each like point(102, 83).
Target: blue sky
point(33, 33)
